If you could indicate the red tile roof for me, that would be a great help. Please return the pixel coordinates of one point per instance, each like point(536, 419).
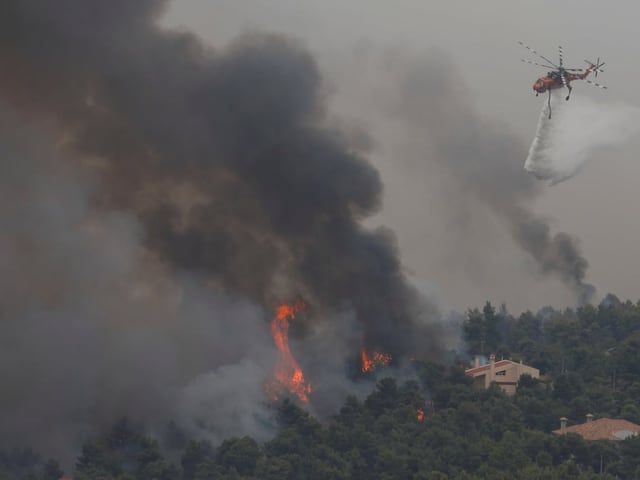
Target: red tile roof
point(602, 429)
point(501, 363)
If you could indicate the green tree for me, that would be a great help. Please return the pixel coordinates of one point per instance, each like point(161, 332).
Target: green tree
point(242, 454)
point(96, 462)
point(197, 460)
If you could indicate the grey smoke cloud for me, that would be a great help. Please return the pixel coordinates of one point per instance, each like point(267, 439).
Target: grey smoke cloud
point(194, 188)
point(273, 196)
point(479, 160)
point(93, 326)
point(182, 193)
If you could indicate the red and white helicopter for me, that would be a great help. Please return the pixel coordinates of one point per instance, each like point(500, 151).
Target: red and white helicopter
point(560, 76)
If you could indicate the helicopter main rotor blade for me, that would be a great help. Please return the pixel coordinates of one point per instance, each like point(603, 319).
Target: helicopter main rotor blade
point(536, 53)
point(536, 64)
point(560, 54)
point(595, 84)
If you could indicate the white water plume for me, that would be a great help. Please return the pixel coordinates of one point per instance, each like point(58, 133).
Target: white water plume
point(579, 130)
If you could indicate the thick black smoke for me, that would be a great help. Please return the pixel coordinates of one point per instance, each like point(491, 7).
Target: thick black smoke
point(223, 155)
point(190, 191)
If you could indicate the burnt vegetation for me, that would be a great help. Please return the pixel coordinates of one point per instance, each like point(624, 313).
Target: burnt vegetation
point(589, 363)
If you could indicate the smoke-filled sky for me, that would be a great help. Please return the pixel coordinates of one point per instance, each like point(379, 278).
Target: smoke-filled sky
point(164, 187)
point(158, 205)
point(479, 40)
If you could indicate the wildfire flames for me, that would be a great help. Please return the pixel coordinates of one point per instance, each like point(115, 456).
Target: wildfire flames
point(288, 374)
point(373, 361)
point(423, 414)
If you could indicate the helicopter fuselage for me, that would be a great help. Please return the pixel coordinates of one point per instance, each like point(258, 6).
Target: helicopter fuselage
point(553, 79)
point(546, 83)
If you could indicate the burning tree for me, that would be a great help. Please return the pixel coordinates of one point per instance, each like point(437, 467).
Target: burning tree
point(373, 361)
point(288, 374)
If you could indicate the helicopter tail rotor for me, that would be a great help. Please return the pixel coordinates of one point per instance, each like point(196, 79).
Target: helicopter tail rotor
point(597, 66)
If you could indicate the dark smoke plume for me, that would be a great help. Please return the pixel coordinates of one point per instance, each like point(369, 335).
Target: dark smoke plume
point(483, 160)
point(192, 170)
point(223, 155)
point(94, 328)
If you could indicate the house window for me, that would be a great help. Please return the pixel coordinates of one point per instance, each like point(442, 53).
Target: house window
point(501, 372)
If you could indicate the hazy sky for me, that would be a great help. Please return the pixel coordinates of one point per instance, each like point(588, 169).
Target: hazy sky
point(480, 38)
point(164, 200)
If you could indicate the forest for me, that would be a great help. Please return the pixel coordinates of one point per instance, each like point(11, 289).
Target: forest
point(437, 425)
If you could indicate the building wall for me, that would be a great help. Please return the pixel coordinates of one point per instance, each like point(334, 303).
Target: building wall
point(513, 372)
point(504, 373)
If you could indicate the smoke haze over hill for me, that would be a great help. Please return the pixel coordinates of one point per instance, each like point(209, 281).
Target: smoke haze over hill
point(171, 196)
point(161, 196)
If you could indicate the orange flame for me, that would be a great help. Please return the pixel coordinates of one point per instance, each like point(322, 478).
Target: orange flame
point(288, 374)
point(367, 364)
point(424, 414)
point(377, 359)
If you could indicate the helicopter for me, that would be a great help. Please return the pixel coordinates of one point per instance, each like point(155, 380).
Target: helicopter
point(560, 76)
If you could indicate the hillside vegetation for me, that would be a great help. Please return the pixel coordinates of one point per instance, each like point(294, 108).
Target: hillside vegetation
point(590, 362)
